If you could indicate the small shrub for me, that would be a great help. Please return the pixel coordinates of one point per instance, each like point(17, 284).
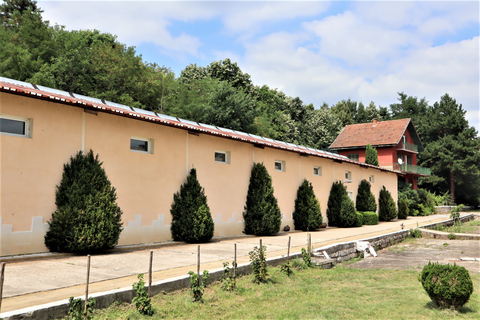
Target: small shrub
point(141, 300)
point(387, 208)
point(365, 199)
point(359, 221)
point(307, 259)
point(348, 215)
point(262, 214)
point(228, 278)
point(369, 218)
point(452, 236)
point(287, 268)
point(76, 309)
point(449, 286)
point(197, 286)
point(258, 262)
point(402, 209)
point(415, 233)
point(334, 205)
point(307, 215)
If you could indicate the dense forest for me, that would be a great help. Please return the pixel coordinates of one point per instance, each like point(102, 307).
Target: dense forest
point(96, 64)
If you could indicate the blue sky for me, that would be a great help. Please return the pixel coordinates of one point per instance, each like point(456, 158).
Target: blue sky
point(320, 51)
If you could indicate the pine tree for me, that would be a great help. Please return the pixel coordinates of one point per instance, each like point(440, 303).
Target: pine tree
point(387, 207)
point(371, 156)
point(307, 215)
point(334, 205)
point(365, 198)
point(87, 218)
point(191, 218)
point(262, 215)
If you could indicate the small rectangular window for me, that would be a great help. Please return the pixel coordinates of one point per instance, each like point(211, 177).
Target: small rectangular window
point(222, 156)
point(371, 179)
point(348, 175)
point(317, 171)
point(350, 195)
point(353, 156)
point(14, 126)
point(141, 145)
point(280, 165)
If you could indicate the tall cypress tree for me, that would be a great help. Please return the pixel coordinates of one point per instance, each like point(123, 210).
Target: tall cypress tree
point(365, 198)
point(262, 214)
point(307, 215)
point(387, 209)
point(191, 218)
point(334, 205)
point(87, 218)
point(371, 156)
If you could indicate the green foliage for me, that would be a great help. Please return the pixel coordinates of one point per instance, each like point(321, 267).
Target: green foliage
point(402, 208)
point(197, 285)
point(287, 268)
point(141, 300)
point(369, 218)
point(449, 286)
point(307, 215)
point(420, 202)
point(87, 218)
point(359, 220)
point(452, 236)
point(76, 309)
point(415, 233)
point(387, 207)
point(455, 213)
point(334, 205)
point(365, 199)
point(228, 277)
point(348, 215)
point(262, 214)
point(307, 258)
point(371, 156)
point(191, 218)
point(258, 261)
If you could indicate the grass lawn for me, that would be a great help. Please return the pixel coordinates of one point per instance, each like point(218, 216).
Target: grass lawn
point(340, 293)
point(472, 226)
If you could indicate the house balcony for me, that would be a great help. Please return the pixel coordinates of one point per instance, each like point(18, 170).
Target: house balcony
point(409, 147)
point(410, 168)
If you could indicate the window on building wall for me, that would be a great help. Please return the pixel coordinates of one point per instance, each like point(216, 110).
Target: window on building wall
point(350, 195)
point(279, 165)
point(222, 156)
point(371, 179)
point(317, 171)
point(348, 175)
point(141, 145)
point(353, 156)
point(14, 126)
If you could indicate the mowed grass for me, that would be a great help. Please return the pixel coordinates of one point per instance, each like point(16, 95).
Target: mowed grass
point(313, 293)
point(472, 226)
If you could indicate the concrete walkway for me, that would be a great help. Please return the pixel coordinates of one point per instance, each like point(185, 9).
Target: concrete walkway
point(34, 282)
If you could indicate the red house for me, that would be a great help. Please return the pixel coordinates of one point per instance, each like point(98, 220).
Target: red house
point(397, 145)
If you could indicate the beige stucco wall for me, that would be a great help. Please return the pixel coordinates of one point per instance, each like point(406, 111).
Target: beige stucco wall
point(145, 183)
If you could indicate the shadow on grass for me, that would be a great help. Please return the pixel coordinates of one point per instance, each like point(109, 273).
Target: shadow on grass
point(463, 310)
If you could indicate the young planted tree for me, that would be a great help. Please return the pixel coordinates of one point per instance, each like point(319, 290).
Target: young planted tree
point(262, 215)
point(307, 215)
point(365, 198)
point(334, 205)
point(191, 218)
point(371, 156)
point(87, 218)
point(387, 207)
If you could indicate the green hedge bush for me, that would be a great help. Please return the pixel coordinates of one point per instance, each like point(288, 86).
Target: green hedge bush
point(359, 221)
point(87, 218)
point(348, 215)
point(449, 286)
point(369, 218)
point(307, 215)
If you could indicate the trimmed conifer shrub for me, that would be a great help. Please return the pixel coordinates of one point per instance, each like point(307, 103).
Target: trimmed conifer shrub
point(359, 221)
point(191, 218)
point(348, 215)
point(334, 205)
point(87, 218)
point(449, 286)
point(387, 207)
point(262, 214)
point(371, 156)
point(369, 218)
point(365, 198)
point(307, 215)
point(402, 208)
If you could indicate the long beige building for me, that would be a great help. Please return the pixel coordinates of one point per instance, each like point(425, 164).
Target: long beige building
point(146, 157)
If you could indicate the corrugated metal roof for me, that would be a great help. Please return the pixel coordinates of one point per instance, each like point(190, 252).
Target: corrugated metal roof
point(26, 89)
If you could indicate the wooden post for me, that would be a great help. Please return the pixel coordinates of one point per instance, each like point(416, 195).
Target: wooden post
point(288, 250)
point(198, 264)
point(261, 250)
point(2, 273)
point(235, 265)
point(86, 287)
point(150, 275)
point(309, 245)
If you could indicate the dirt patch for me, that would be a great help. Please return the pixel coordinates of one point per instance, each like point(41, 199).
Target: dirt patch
point(415, 254)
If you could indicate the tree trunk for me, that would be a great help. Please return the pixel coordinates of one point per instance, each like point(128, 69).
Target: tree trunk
point(452, 187)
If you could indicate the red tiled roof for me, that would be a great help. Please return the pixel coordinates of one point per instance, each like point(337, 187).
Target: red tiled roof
point(377, 133)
